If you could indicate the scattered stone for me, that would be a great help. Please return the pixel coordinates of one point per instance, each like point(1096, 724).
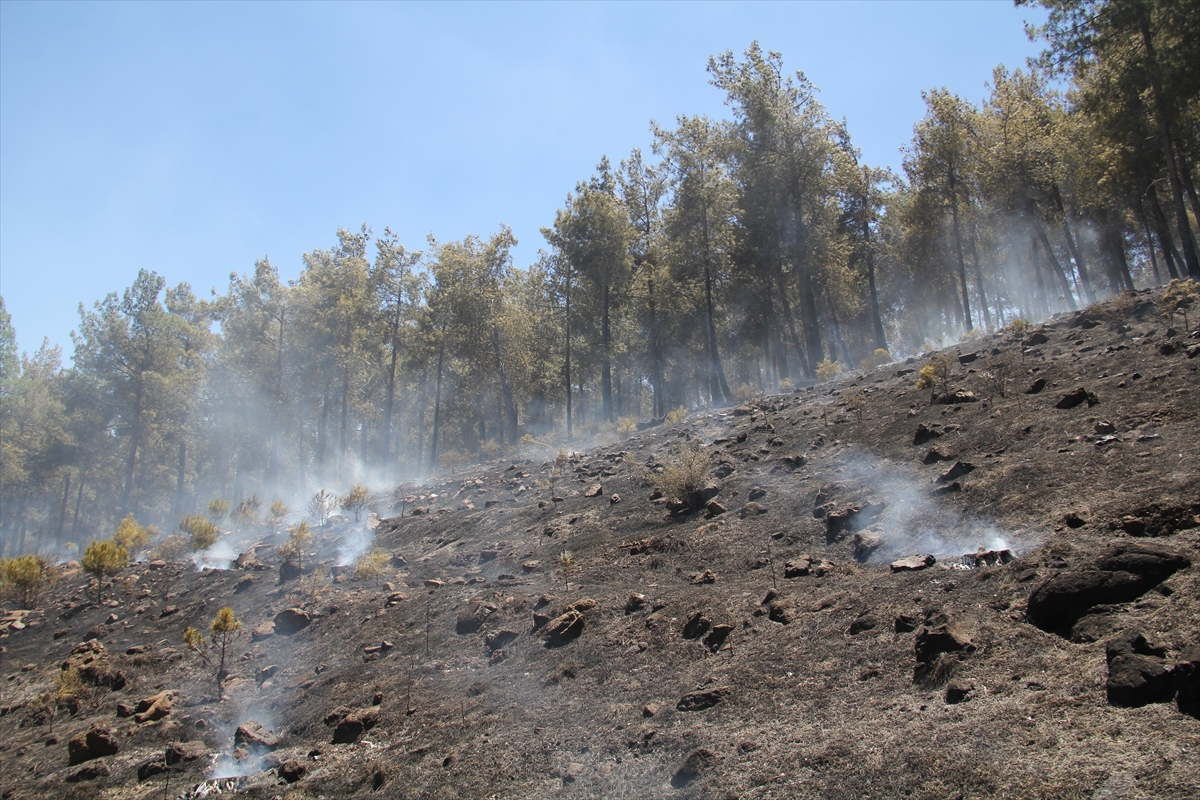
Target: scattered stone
point(1036, 338)
point(290, 621)
point(959, 469)
point(253, 735)
point(714, 508)
point(698, 701)
point(696, 626)
point(1104, 427)
point(1127, 571)
point(958, 691)
point(913, 563)
point(987, 558)
point(807, 565)
point(865, 543)
point(184, 751)
point(1187, 681)
point(1137, 673)
point(355, 724)
point(434, 583)
point(594, 490)
point(1036, 387)
point(498, 639)
point(263, 630)
point(292, 770)
point(752, 510)
point(696, 764)
point(707, 576)
point(1076, 397)
point(154, 707)
point(616, 498)
point(90, 772)
point(563, 629)
point(94, 743)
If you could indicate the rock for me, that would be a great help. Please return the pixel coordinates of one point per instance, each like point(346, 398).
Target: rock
point(958, 691)
point(696, 764)
point(263, 630)
point(154, 707)
point(1104, 427)
point(864, 543)
point(586, 604)
point(1075, 397)
point(850, 520)
point(244, 583)
point(253, 736)
point(1124, 573)
point(1036, 338)
point(967, 358)
point(714, 508)
point(95, 632)
point(757, 493)
point(148, 769)
point(90, 772)
point(247, 561)
point(531, 566)
point(498, 639)
point(1036, 387)
point(290, 621)
point(696, 626)
point(563, 629)
point(707, 576)
point(946, 637)
point(959, 469)
point(987, 558)
point(635, 603)
point(698, 701)
point(717, 636)
point(752, 510)
point(91, 659)
point(288, 571)
point(906, 623)
point(925, 433)
point(708, 491)
point(1187, 681)
point(353, 725)
point(650, 710)
point(743, 411)
point(781, 610)
point(434, 583)
point(594, 490)
point(616, 498)
point(1073, 520)
point(1157, 520)
point(935, 455)
point(1137, 673)
point(292, 770)
point(913, 563)
point(184, 751)
point(94, 743)
point(955, 398)
point(865, 622)
point(807, 565)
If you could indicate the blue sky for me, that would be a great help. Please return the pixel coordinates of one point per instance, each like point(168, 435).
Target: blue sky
point(194, 138)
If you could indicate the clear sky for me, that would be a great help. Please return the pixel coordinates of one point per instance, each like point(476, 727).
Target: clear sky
point(194, 138)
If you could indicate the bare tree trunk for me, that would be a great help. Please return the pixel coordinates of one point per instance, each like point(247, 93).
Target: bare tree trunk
point(437, 406)
point(1056, 269)
point(958, 252)
point(806, 369)
point(718, 387)
point(606, 363)
point(987, 316)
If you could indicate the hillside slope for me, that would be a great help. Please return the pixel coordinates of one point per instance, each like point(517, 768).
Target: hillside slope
point(759, 646)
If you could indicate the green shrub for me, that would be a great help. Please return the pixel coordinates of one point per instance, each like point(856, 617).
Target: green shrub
point(104, 558)
point(828, 369)
point(25, 577)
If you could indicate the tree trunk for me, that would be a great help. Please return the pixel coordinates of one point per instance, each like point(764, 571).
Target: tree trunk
point(1164, 135)
point(437, 406)
point(180, 474)
point(78, 503)
point(510, 407)
point(987, 316)
point(958, 252)
point(1056, 269)
point(1139, 211)
point(719, 393)
point(806, 369)
point(876, 320)
point(1170, 254)
point(344, 444)
point(135, 434)
point(606, 364)
point(385, 448)
point(656, 376)
point(808, 313)
point(62, 517)
point(567, 363)
point(421, 420)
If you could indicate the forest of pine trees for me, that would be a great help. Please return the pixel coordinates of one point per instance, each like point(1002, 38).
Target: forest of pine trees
point(736, 256)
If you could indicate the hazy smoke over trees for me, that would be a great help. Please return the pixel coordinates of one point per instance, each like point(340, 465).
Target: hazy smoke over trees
point(748, 255)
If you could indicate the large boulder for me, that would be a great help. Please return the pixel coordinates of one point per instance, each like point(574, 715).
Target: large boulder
point(291, 620)
point(1124, 573)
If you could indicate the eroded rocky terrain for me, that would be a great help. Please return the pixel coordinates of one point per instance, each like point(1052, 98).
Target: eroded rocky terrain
point(870, 595)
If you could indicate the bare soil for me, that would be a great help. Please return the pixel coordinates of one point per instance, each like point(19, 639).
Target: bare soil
point(724, 677)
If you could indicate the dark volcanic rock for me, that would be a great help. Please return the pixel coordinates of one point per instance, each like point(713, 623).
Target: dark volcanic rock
point(1124, 573)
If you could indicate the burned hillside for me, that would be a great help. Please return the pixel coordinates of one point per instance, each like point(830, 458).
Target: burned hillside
point(986, 587)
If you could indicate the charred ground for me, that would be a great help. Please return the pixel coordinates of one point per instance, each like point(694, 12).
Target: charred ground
point(756, 646)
